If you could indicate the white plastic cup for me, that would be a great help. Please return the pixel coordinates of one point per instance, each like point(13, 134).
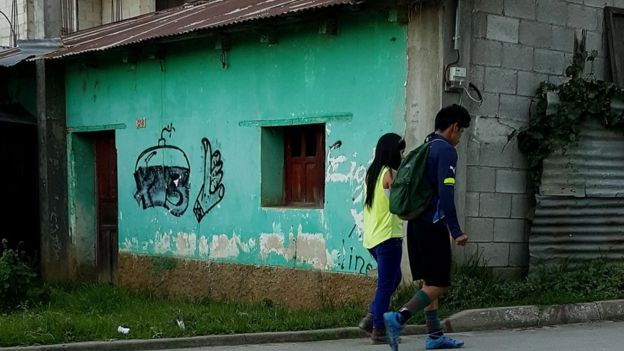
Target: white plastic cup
point(123, 330)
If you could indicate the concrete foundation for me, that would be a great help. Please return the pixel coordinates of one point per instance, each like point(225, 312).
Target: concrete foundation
point(294, 288)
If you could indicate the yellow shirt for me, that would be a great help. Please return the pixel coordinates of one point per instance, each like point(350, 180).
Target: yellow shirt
point(379, 224)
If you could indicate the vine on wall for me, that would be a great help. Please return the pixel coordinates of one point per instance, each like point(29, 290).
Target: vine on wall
point(554, 127)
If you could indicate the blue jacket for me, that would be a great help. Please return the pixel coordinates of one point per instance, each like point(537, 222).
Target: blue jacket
point(440, 173)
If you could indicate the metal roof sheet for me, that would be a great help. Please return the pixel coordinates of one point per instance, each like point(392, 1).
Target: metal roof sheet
point(26, 49)
point(580, 209)
point(183, 19)
point(593, 167)
point(570, 228)
point(15, 113)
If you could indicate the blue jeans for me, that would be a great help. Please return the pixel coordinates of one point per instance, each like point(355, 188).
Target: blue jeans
point(388, 257)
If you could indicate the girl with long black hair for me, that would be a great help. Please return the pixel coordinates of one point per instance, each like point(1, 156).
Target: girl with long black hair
point(382, 231)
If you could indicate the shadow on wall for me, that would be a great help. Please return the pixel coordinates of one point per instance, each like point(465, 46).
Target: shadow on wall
point(19, 211)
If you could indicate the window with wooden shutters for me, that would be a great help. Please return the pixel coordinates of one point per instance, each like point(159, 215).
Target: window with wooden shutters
point(304, 165)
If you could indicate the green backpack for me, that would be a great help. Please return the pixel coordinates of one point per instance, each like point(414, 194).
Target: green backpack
point(411, 192)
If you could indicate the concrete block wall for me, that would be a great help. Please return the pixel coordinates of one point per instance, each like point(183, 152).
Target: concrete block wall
point(93, 13)
point(106, 11)
point(515, 45)
point(89, 13)
point(137, 8)
point(129, 8)
point(5, 31)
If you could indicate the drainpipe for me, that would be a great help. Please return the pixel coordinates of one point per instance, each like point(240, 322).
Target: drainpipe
point(455, 77)
point(457, 36)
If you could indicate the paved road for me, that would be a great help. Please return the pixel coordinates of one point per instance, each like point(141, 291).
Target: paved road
point(594, 337)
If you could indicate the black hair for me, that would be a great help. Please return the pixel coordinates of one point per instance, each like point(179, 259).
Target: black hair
point(387, 154)
point(450, 115)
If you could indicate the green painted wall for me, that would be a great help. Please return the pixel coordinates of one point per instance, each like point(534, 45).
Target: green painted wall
point(272, 169)
point(360, 72)
point(81, 189)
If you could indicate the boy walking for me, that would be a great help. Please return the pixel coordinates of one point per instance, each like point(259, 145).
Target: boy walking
point(428, 239)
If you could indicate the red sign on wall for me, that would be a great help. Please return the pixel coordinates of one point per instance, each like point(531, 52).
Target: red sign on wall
point(140, 123)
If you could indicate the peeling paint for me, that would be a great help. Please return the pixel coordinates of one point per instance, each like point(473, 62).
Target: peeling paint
point(131, 244)
point(335, 255)
point(186, 244)
point(274, 243)
point(203, 246)
point(310, 248)
point(162, 243)
point(222, 247)
point(307, 248)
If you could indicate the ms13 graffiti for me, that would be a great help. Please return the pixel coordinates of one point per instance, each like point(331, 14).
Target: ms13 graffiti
point(162, 176)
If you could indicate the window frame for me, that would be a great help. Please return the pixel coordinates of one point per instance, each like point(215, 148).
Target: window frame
point(616, 49)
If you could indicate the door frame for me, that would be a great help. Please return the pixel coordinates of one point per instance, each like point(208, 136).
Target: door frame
point(82, 198)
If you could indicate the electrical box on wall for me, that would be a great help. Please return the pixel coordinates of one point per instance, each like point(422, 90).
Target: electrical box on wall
point(456, 78)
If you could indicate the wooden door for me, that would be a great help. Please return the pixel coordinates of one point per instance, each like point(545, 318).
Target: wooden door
point(106, 189)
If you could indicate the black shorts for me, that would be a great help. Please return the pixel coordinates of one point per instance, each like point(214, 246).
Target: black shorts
point(429, 250)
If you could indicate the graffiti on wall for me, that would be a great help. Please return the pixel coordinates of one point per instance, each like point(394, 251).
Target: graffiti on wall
point(350, 261)
point(340, 169)
point(212, 190)
point(343, 169)
point(162, 176)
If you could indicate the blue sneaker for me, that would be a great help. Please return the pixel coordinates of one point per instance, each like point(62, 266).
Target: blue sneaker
point(393, 329)
point(443, 342)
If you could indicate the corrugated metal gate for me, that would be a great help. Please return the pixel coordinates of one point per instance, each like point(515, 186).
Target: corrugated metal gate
point(580, 208)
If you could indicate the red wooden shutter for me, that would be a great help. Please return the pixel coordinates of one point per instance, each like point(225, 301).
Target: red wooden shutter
point(304, 160)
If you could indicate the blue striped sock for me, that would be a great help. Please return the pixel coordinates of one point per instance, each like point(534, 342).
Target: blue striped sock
point(433, 324)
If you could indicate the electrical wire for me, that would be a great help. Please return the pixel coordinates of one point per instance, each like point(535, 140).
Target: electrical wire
point(478, 100)
point(474, 87)
point(11, 27)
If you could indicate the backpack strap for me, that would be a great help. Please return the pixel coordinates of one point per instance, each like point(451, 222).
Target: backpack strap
point(429, 144)
point(431, 141)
